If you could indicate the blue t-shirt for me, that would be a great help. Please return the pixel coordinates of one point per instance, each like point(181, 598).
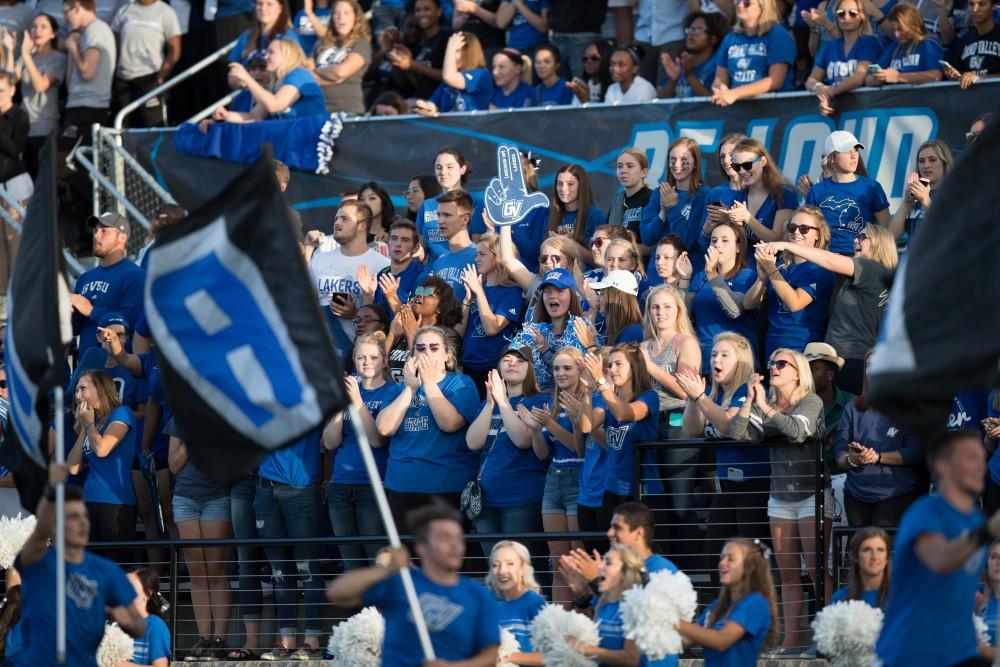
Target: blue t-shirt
point(709, 318)
point(595, 218)
point(737, 464)
point(422, 457)
point(658, 563)
point(297, 464)
point(310, 102)
point(153, 645)
point(461, 619)
point(870, 598)
point(161, 443)
point(994, 464)
point(840, 66)
point(304, 28)
point(511, 476)
point(516, 616)
point(937, 608)
point(558, 93)
point(479, 350)
point(475, 97)
point(236, 55)
point(91, 586)
point(427, 225)
point(789, 200)
point(748, 57)
point(450, 265)
point(528, 235)
point(704, 72)
point(609, 625)
point(968, 409)
point(923, 57)
point(685, 219)
point(409, 278)
point(348, 466)
point(847, 207)
point(989, 613)
point(521, 35)
point(562, 456)
point(109, 479)
point(753, 615)
point(519, 98)
point(621, 437)
point(795, 330)
point(131, 390)
point(108, 288)
point(594, 473)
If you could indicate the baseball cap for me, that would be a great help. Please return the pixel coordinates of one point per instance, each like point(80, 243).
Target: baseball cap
point(519, 350)
point(823, 352)
point(620, 280)
point(560, 278)
point(841, 142)
point(114, 317)
point(109, 219)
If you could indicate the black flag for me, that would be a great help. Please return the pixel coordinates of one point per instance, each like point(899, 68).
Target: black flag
point(246, 356)
point(940, 333)
point(35, 352)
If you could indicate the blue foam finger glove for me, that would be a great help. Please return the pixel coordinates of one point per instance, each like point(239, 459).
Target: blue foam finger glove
point(507, 198)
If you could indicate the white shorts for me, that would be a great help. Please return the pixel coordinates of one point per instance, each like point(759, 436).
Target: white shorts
point(20, 187)
point(791, 509)
point(620, 3)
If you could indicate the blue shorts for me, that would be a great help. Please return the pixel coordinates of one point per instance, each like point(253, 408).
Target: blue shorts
point(562, 487)
point(188, 509)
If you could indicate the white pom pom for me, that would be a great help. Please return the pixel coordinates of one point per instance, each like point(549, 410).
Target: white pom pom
point(551, 627)
point(357, 642)
point(982, 632)
point(14, 532)
point(115, 646)
point(508, 646)
point(650, 614)
point(846, 633)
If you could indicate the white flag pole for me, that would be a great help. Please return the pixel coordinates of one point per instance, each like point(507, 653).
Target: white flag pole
point(390, 529)
point(60, 452)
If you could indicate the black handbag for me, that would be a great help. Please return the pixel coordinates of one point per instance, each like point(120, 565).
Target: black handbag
point(471, 501)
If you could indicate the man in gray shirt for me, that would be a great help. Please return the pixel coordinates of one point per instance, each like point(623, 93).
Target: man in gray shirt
point(146, 29)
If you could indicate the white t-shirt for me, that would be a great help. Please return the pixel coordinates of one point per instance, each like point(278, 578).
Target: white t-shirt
point(332, 272)
point(640, 91)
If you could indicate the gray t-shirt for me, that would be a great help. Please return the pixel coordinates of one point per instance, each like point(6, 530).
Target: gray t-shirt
point(860, 305)
point(95, 93)
point(346, 96)
point(143, 30)
point(190, 481)
point(43, 108)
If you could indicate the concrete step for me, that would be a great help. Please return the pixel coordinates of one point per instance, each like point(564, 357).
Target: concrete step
point(685, 662)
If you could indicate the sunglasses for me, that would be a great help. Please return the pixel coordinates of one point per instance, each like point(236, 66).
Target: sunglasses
point(597, 242)
point(423, 347)
point(853, 13)
point(555, 259)
point(3, 384)
point(424, 291)
point(802, 229)
point(862, 237)
point(779, 364)
point(745, 166)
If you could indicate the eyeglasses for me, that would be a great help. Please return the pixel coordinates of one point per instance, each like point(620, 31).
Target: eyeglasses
point(970, 137)
point(424, 292)
point(779, 364)
point(367, 320)
point(423, 347)
point(853, 13)
point(745, 166)
point(591, 59)
point(694, 30)
point(413, 192)
point(861, 237)
point(3, 384)
point(802, 229)
point(597, 242)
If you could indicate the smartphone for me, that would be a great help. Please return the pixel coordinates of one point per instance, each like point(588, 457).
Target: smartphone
point(341, 297)
point(717, 204)
point(926, 182)
point(874, 68)
point(855, 446)
point(948, 67)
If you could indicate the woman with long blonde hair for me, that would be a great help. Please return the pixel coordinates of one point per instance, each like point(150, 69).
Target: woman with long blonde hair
point(934, 161)
point(295, 93)
point(843, 63)
point(913, 56)
point(511, 578)
point(757, 57)
point(341, 55)
point(791, 414)
point(466, 84)
point(766, 200)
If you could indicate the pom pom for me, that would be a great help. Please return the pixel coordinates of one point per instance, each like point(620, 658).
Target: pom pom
point(982, 632)
point(357, 642)
point(328, 136)
point(508, 646)
point(846, 633)
point(14, 532)
point(115, 646)
point(650, 614)
point(551, 627)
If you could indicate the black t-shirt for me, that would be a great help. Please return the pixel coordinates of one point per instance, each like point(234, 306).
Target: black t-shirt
point(634, 207)
point(431, 54)
point(977, 53)
point(490, 38)
point(577, 15)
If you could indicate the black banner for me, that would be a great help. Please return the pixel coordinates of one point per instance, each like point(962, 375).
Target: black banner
point(891, 123)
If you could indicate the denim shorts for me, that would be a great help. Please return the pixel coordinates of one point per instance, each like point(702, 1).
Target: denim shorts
point(562, 486)
point(188, 509)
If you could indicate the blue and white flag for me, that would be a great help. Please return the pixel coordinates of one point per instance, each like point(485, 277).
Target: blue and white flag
point(35, 346)
point(246, 356)
point(941, 332)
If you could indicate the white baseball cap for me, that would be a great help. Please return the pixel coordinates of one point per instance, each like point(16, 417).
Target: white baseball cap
point(841, 141)
point(620, 280)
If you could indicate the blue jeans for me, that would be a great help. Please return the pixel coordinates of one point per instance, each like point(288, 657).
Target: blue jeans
point(572, 46)
point(288, 511)
point(251, 559)
point(520, 519)
point(353, 512)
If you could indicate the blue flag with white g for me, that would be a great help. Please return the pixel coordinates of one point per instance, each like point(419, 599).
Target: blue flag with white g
point(246, 356)
point(507, 199)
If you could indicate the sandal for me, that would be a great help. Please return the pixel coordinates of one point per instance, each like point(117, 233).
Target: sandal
point(243, 654)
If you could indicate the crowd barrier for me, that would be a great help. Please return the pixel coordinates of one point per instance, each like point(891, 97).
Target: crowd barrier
point(891, 122)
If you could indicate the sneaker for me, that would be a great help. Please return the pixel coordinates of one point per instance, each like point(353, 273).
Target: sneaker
point(220, 648)
point(304, 653)
point(277, 654)
point(204, 649)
